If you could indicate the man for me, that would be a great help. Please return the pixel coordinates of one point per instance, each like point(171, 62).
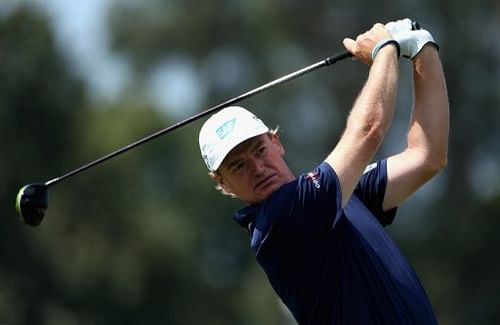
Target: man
point(319, 236)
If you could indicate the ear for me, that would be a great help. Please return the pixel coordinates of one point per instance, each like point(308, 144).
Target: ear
point(220, 182)
point(275, 138)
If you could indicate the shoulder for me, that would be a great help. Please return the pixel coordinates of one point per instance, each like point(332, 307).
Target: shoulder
point(323, 178)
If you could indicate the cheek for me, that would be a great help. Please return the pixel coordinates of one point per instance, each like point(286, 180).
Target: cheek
point(278, 159)
point(235, 184)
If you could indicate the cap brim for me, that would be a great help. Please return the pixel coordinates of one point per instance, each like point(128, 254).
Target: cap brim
point(234, 144)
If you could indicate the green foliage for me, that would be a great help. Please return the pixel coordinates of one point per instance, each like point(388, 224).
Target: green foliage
point(37, 101)
point(145, 239)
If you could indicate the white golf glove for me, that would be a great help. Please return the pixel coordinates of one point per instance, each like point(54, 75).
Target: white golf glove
point(410, 41)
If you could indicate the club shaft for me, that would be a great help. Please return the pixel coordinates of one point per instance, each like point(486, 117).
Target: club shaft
point(323, 63)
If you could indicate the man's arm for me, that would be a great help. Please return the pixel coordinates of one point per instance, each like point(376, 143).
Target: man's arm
point(426, 152)
point(372, 112)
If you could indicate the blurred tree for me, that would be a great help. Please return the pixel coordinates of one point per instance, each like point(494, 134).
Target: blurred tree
point(144, 239)
point(37, 101)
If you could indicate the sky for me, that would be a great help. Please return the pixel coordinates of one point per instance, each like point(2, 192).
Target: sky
point(82, 35)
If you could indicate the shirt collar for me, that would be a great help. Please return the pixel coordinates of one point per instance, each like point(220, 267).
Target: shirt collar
point(278, 199)
point(246, 215)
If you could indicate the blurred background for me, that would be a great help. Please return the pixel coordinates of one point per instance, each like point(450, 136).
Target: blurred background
point(144, 238)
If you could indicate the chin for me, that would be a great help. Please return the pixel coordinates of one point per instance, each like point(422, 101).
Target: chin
point(268, 192)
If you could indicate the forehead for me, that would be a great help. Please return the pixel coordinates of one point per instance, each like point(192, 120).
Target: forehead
point(246, 146)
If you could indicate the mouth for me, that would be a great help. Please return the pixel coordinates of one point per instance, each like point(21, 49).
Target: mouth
point(264, 183)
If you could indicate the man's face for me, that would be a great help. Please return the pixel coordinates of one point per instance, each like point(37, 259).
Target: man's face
point(254, 169)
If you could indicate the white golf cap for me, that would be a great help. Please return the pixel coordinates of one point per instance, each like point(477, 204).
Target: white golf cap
point(226, 129)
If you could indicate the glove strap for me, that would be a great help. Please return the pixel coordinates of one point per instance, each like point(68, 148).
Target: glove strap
point(421, 47)
point(383, 43)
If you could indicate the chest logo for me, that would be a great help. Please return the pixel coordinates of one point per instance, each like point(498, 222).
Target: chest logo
point(313, 177)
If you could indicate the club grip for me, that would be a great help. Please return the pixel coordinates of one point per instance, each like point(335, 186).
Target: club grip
point(343, 55)
point(337, 57)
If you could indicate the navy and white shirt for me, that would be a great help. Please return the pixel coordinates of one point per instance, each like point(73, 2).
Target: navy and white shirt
point(331, 265)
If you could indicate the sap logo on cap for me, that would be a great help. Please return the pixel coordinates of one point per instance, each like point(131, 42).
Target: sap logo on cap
point(226, 128)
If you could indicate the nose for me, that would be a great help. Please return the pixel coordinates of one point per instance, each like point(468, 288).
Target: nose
point(256, 165)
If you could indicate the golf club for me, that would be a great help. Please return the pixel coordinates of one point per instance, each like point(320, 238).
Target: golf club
point(32, 199)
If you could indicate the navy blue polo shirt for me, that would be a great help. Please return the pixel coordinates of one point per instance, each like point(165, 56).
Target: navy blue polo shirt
point(331, 265)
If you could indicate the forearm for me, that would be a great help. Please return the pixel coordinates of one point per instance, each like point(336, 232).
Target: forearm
point(429, 126)
point(368, 122)
point(374, 107)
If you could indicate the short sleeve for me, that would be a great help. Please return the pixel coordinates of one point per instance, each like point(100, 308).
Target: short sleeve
point(319, 192)
point(371, 191)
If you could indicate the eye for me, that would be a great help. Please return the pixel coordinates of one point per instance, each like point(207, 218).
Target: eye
point(238, 167)
point(261, 151)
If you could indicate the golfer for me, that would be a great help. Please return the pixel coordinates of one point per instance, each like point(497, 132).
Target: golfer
point(320, 236)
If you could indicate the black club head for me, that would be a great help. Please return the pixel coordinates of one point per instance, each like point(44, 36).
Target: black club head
point(32, 202)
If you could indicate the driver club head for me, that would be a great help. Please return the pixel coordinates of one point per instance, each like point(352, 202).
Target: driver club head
point(32, 202)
